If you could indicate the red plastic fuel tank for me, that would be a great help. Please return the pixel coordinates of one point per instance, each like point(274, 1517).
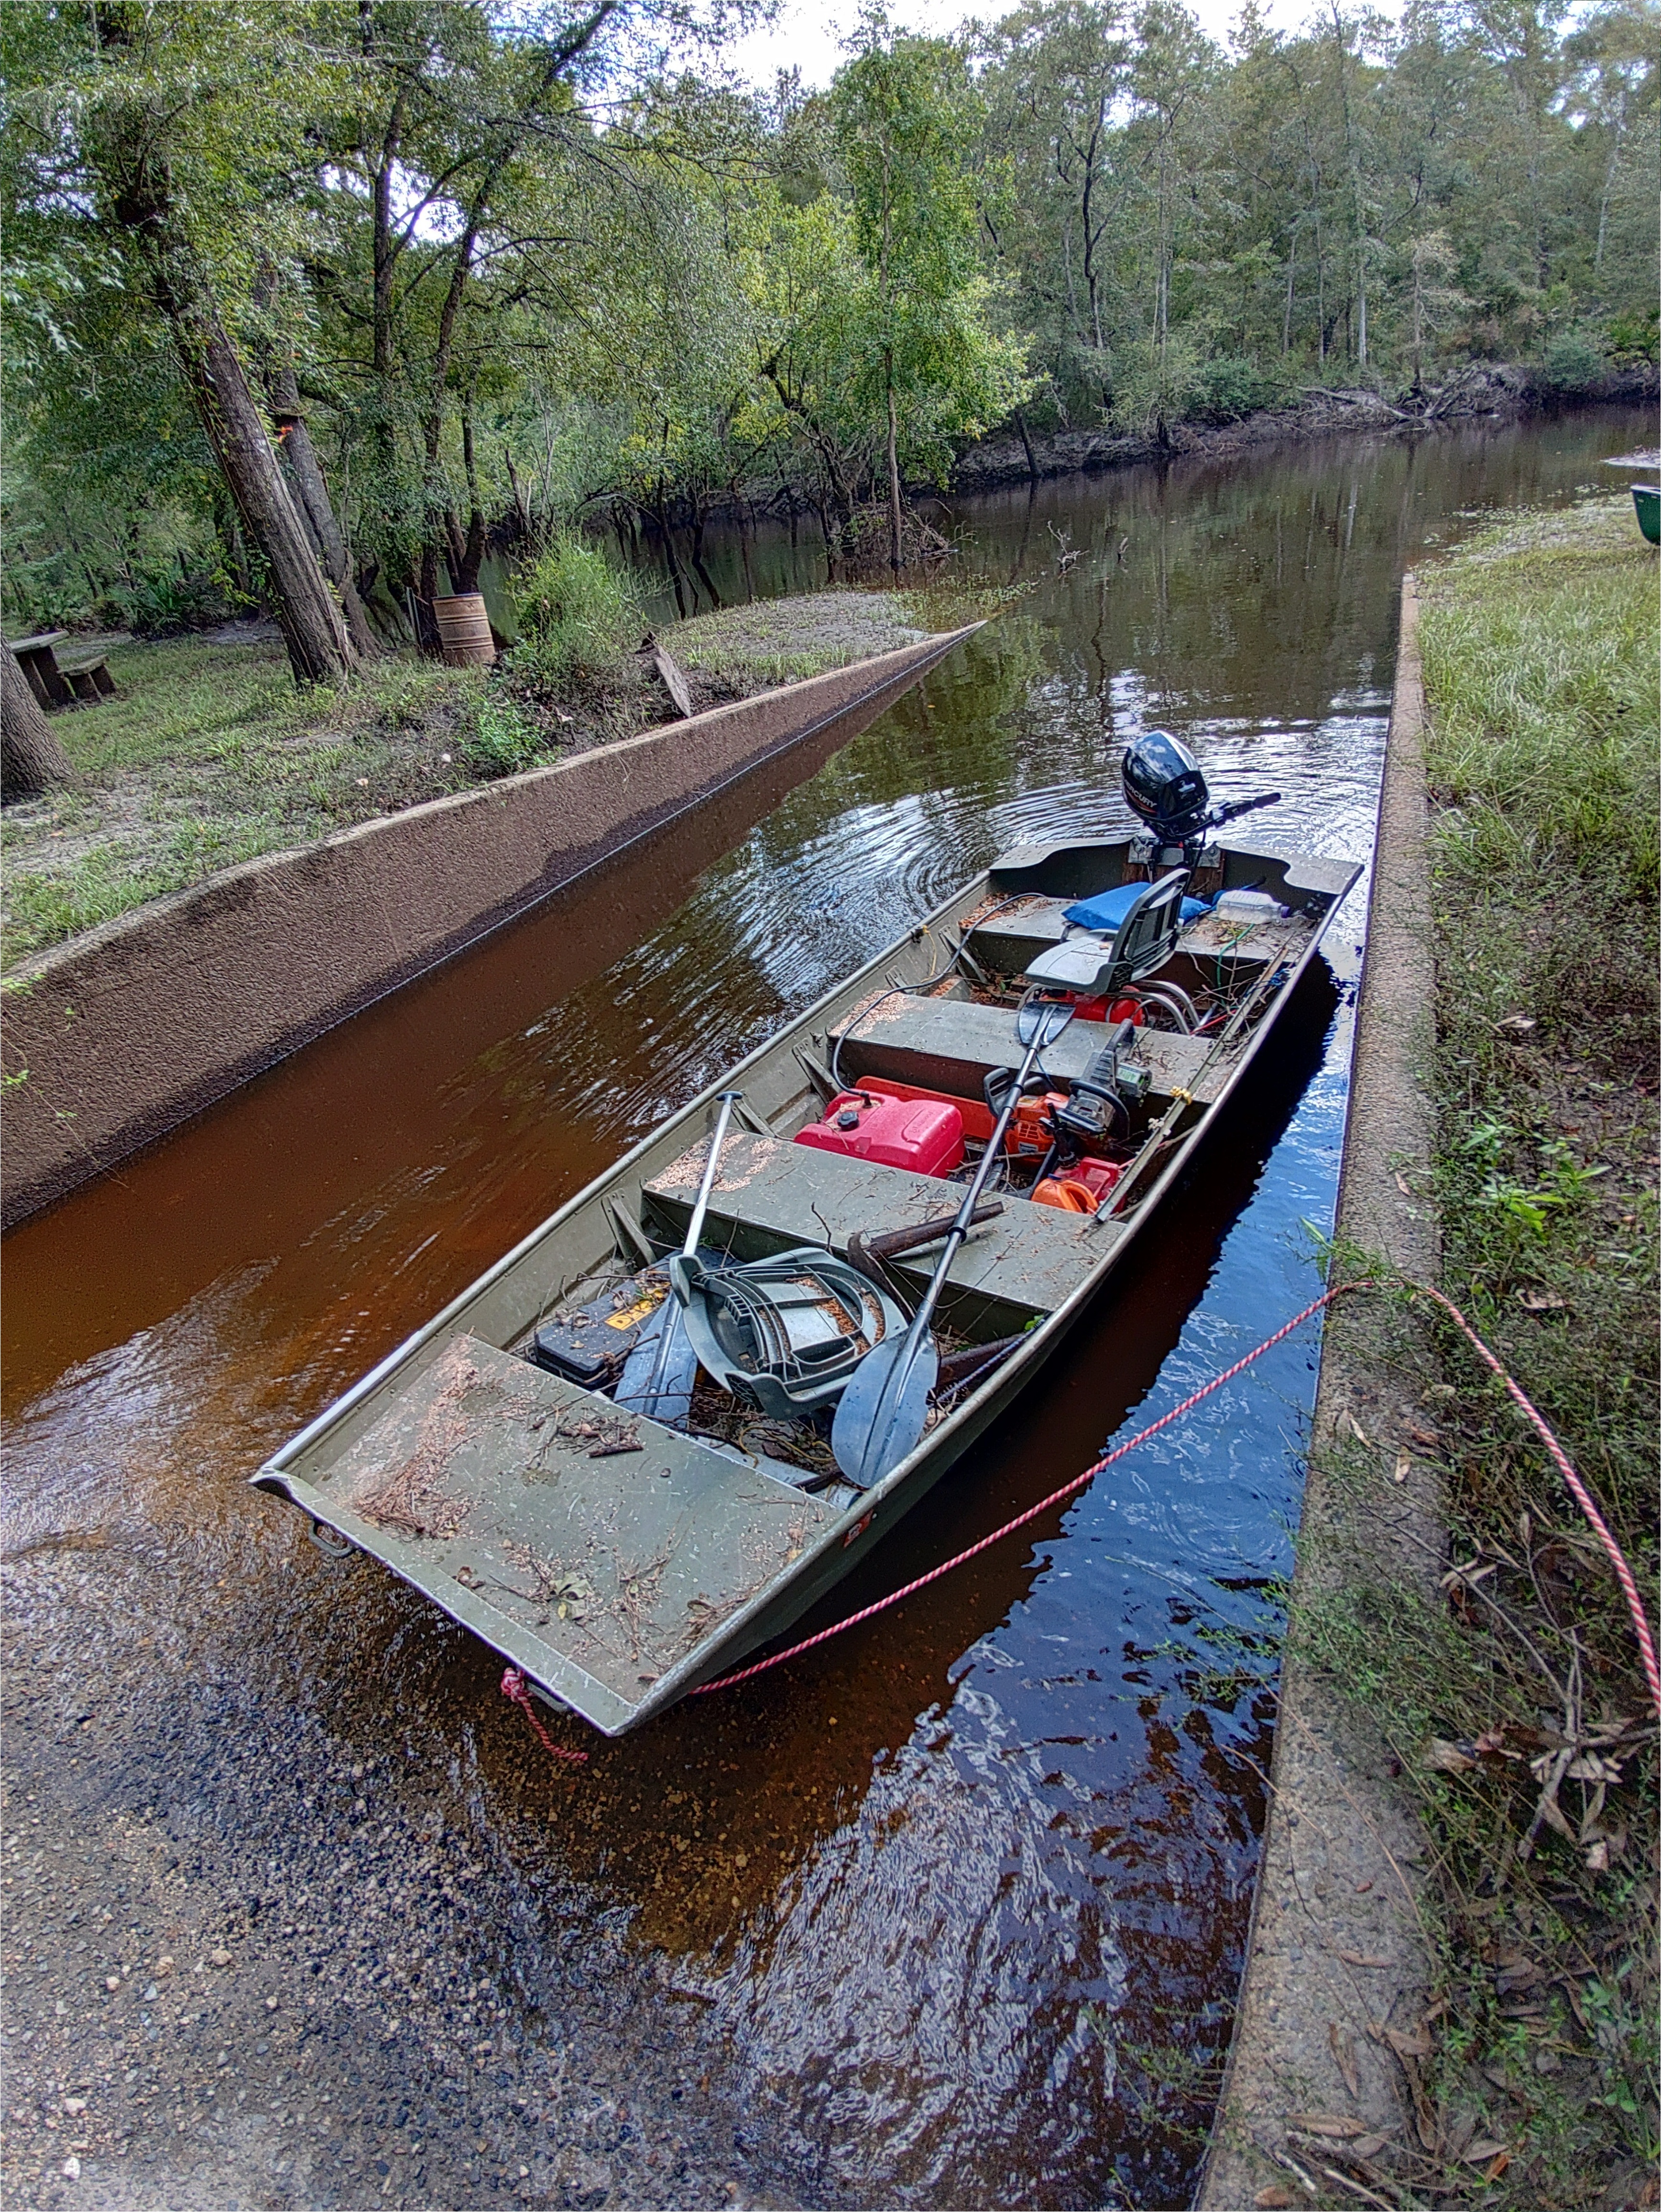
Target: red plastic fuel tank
point(1028, 1132)
point(923, 1134)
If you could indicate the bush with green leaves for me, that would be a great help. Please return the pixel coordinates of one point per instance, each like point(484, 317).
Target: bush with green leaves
point(1229, 387)
point(1634, 335)
point(1572, 363)
point(577, 615)
point(167, 601)
point(1158, 383)
point(505, 740)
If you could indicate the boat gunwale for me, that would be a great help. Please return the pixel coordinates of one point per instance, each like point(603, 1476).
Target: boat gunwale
point(854, 1530)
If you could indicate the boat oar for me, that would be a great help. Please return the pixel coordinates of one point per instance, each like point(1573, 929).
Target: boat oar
point(881, 1413)
point(663, 1366)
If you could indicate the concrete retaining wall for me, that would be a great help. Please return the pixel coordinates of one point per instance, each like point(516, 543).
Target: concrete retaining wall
point(1336, 1956)
point(131, 1028)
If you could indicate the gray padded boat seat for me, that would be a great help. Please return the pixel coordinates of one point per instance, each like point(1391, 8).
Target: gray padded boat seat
point(478, 1484)
point(770, 1196)
point(953, 1044)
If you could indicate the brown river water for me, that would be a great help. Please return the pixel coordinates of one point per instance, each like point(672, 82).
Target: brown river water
point(950, 1913)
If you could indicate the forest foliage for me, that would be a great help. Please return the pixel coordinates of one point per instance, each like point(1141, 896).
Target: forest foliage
point(551, 267)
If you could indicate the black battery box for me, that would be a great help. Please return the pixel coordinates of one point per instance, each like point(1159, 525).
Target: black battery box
point(590, 1345)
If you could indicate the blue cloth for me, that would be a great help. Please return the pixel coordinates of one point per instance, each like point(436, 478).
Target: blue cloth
point(1107, 910)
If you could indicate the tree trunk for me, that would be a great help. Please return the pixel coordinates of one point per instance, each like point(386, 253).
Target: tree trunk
point(1609, 183)
point(522, 506)
point(1360, 280)
point(319, 647)
point(470, 551)
point(311, 492)
point(464, 571)
point(31, 757)
point(824, 532)
point(744, 554)
point(701, 572)
point(1291, 280)
point(893, 480)
point(312, 628)
point(230, 536)
point(1027, 446)
point(1418, 328)
point(660, 516)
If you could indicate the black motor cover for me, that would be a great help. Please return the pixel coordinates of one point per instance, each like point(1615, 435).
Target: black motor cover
point(1163, 785)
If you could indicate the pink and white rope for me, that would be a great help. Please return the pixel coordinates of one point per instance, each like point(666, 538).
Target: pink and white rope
point(1582, 1496)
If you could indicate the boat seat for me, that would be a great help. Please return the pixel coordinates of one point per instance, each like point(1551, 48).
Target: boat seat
point(770, 1196)
point(953, 1044)
point(1136, 934)
point(476, 1484)
point(1017, 933)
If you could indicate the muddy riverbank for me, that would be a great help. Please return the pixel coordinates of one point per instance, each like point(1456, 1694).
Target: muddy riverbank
point(952, 1912)
point(249, 1964)
point(1494, 393)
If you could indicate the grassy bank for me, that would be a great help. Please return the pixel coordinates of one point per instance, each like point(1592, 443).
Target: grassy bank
point(1516, 1702)
point(210, 756)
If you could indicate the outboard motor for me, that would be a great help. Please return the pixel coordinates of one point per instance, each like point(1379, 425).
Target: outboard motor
point(1131, 931)
point(1164, 788)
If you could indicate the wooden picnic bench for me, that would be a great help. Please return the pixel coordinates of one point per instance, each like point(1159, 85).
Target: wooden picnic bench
point(83, 675)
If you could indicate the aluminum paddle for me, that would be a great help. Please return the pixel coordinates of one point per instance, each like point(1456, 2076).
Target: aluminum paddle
point(881, 1415)
point(662, 1367)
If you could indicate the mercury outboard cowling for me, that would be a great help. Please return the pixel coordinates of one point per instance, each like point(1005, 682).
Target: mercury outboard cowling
point(1163, 786)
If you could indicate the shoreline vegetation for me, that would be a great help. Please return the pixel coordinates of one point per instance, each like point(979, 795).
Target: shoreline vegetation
point(304, 302)
point(209, 757)
point(1476, 393)
point(1513, 1698)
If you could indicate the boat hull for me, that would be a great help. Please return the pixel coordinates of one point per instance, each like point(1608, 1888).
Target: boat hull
point(577, 1239)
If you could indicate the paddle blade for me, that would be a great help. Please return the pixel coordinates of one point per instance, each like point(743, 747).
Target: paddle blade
point(881, 1413)
point(658, 1378)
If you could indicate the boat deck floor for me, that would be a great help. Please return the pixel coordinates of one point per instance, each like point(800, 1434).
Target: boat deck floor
point(770, 1196)
point(953, 1044)
point(479, 1483)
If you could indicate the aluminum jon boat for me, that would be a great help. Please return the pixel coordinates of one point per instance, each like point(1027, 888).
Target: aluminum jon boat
point(662, 1427)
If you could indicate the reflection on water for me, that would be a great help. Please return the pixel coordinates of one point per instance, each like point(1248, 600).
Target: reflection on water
point(963, 1895)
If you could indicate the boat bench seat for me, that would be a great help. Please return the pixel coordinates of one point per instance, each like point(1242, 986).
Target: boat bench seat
point(953, 1044)
point(1008, 943)
point(770, 1196)
point(476, 1484)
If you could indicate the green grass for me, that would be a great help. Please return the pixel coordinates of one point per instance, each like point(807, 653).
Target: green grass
point(785, 639)
point(1540, 642)
point(210, 756)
